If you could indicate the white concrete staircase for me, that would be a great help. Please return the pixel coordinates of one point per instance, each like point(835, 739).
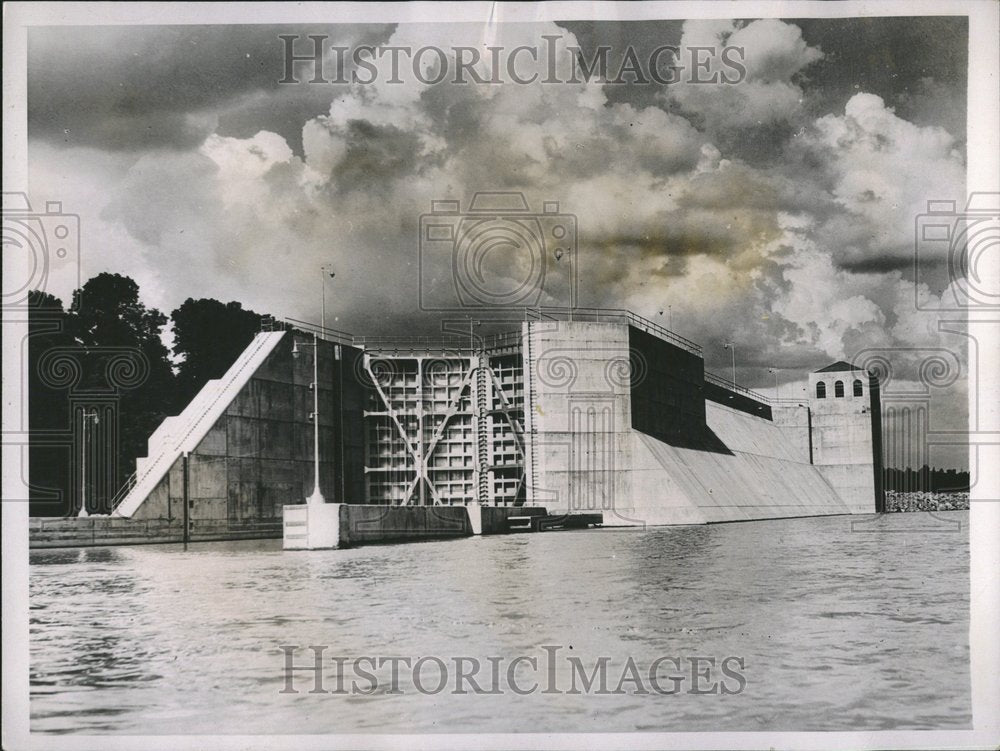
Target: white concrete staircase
point(182, 433)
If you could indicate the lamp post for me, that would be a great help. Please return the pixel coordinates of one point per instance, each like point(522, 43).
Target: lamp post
point(559, 253)
point(732, 347)
point(317, 496)
point(775, 371)
point(472, 333)
point(87, 417)
point(324, 270)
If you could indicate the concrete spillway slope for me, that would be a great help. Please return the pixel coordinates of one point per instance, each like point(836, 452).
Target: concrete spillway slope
point(619, 422)
point(184, 432)
point(760, 475)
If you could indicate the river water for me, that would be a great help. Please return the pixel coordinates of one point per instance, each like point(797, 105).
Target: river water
point(839, 623)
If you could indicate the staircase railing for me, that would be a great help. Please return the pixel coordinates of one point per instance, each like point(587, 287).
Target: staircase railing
point(123, 491)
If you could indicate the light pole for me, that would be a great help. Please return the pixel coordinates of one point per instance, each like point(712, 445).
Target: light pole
point(559, 253)
point(472, 333)
point(324, 270)
point(87, 417)
point(317, 496)
point(775, 371)
point(732, 347)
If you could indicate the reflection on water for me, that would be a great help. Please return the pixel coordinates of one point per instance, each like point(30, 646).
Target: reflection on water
point(840, 629)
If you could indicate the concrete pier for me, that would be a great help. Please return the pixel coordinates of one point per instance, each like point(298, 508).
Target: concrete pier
point(97, 531)
point(341, 525)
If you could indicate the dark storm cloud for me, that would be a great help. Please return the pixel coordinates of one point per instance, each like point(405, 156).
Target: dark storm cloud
point(282, 111)
point(758, 145)
point(642, 36)
point(876, 264)
point(908, 61)
point(143, 87)
point(375, 156)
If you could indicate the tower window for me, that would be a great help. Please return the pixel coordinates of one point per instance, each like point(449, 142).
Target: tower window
point(858, 390)
point(838, 389)
point(821, 390)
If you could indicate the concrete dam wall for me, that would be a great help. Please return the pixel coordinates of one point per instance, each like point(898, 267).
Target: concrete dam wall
point(243, 448)
point(625, 422)
point(578, 417)
point(757, 477)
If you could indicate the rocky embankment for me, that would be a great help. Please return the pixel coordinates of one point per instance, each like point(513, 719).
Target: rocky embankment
point(921, 500)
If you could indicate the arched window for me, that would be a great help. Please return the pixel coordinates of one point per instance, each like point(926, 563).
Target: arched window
point(858, 389)
point(820, 390)
point(838, 389)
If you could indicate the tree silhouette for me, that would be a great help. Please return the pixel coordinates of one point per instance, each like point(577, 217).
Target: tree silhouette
point(49, 444)
point(106, 320)
point(208, 337)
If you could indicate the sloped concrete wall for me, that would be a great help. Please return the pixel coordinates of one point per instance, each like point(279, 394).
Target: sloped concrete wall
point(795, 421)
point(258, 455)
point(586, 454)
point(760, 477)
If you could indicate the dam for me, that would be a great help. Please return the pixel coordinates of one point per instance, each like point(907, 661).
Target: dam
point(601, 416)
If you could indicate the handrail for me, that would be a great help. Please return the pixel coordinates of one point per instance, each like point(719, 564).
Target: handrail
point(613, 315)
point(324, 332)
point(728, 384)
point(451, 342)
point(123, 491)
point(457, 342)
point(454, 340)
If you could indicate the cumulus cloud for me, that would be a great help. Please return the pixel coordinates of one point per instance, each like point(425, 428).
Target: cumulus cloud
point(881, 170)
point(774, 53)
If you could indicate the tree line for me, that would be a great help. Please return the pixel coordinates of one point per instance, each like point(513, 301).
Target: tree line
point(99, 368)
point(926, 479)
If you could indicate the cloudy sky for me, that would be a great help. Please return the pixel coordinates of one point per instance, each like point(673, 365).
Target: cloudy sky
point(777, 212)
